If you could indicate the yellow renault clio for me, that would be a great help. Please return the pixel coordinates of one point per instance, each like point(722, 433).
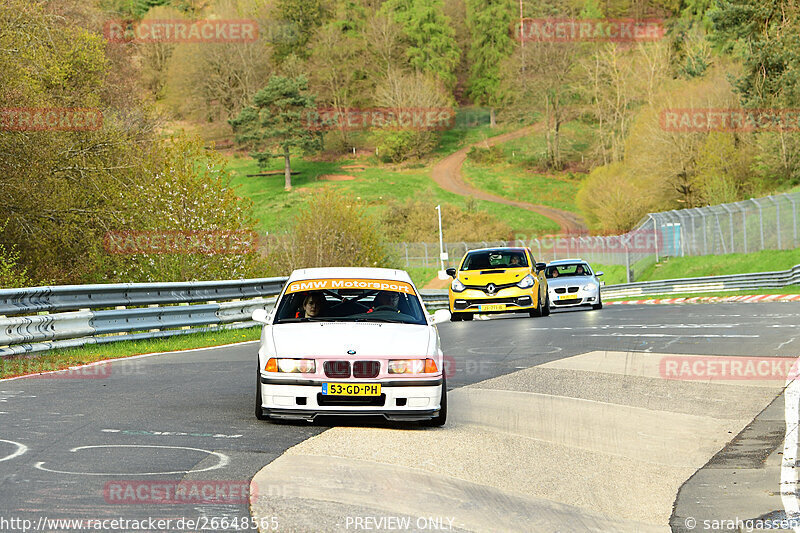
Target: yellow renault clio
point(498, 280)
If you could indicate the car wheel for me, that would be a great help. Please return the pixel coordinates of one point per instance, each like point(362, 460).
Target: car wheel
point(546, 310)
point(455, 317)
point(259, 410)
point(599, 304)
point(441, 418)
point(467, 316)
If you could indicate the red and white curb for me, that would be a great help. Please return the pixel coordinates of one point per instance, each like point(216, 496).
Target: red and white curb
point(714, 299)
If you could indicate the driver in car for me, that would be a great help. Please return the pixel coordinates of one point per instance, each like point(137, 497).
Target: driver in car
point(312, 305)
point(386, 299)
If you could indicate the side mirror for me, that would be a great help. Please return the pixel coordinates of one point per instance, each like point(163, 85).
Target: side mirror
point(540, 266)
point(452, 273)
point(260, 315)
point(598, 274)
point(441, 315)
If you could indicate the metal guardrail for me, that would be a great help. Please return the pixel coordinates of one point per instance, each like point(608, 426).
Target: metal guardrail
point(735, 282)
point(76, 315)
point(83, 315)
point(437, 299)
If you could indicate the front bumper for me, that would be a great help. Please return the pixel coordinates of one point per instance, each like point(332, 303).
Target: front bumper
point(584, 297)
point(406, 400)
point(512, 299)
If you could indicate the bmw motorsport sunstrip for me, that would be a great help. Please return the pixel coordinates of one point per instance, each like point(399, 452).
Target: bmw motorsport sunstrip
point(350, 341)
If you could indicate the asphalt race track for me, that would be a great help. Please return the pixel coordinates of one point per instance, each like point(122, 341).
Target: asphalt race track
point(68, 442)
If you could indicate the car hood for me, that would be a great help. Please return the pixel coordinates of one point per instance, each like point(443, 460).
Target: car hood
point(498, 276)
point(366, 338)
point(570, 281)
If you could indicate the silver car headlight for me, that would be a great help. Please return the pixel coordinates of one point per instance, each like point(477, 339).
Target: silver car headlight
point(588, 286)
point(457, 286)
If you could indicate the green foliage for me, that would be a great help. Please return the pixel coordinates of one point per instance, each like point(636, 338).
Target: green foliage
point(417, 221)
point(183, 188)
point(280, 118)
point(306, 15)
point(490, 44)
point(430, 36)
point(396, 146)
point(332, 229)
point(11, 274)
point(764, 34)
point(487, 156)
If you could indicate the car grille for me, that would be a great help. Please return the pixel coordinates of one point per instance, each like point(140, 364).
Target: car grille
point(366, 369)
point(337, 369)
point(370, 401)
point(562, 290)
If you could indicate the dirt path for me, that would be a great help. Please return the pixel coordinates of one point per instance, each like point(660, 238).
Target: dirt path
point(447, 173)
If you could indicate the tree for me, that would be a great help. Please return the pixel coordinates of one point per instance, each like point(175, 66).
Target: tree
point(488, 23)
point(281, 117)
point(431, 39)
point(305, 15)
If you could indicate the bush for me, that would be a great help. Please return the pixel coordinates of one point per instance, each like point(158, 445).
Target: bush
point(417, 221)
point(397, 146)
point(11, 274)
point(332, 229)
point(486, 156)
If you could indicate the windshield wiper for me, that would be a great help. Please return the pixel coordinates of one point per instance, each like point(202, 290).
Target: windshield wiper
point(309, 319)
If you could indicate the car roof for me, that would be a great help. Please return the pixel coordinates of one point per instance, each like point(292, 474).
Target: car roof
point(567, 261)
point(391, 274)
point(498, 249)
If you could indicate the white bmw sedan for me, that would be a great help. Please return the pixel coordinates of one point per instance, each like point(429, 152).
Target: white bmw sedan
point(350, 341)
point(571, 282)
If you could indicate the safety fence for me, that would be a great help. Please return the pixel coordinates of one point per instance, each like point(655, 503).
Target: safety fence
point(769, 223)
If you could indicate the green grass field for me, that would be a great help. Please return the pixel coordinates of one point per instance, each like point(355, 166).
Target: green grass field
point(274, 207)
point(708, 265)
point(516, 183)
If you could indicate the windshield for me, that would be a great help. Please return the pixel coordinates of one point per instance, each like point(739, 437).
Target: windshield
point(569, 269)
point(352, 305)
point(490, 259)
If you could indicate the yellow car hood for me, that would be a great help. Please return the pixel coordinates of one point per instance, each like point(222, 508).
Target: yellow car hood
point(498, 276)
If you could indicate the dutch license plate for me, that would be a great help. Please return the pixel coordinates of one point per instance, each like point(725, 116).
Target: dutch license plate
point(568, 297)
point(352, 389)
point(492, 307)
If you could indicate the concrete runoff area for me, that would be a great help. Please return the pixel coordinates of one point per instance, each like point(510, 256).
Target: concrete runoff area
point(594, 442)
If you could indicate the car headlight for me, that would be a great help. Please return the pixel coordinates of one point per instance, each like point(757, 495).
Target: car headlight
point(412, 366)
point(304, 366)
point(526, 282)
point(457, 286)
point(588, 287)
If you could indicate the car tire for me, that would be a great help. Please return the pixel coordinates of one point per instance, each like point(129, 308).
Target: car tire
point(441, 418)
point(599, 304)
point(546, 310)
point(467, 316)
point(455, 317)
point(259, 410)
